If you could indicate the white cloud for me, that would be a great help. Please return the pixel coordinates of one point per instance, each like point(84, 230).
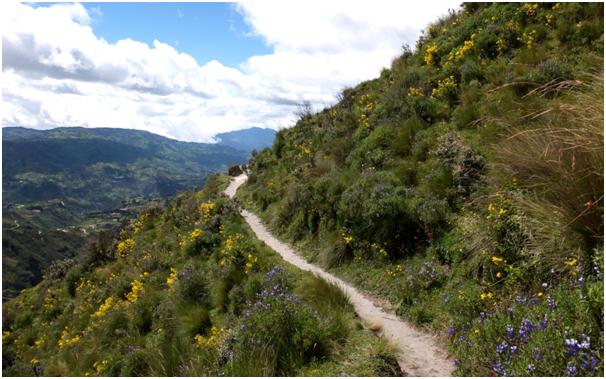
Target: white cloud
point(57, 72)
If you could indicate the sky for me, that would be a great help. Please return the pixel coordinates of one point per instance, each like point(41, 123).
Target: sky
point(191, 70)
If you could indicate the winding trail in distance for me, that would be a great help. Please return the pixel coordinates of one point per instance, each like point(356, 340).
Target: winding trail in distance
point(418, 353)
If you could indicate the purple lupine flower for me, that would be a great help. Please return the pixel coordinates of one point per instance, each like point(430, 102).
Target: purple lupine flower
point(498, 369)
point(509, 310)
point(550, 303)
point(531, 367)
point(456, 361)
point(589, 364)
point(521, 299)
point(509, 331)
point(586, 344)
point(501, 347)
point(513, 349)
point(469, 345)
point(451, 331)
point(526, 328)
point(482, 315)
point(573, 346)
point(581, 280)
point(571, 369)
point(542, 324)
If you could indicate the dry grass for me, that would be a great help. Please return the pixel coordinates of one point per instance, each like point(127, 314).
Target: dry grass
point(557, 157)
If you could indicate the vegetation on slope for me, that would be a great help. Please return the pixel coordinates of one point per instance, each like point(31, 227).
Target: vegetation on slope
point(186, 290)
point(465, 185)
point(58, 182)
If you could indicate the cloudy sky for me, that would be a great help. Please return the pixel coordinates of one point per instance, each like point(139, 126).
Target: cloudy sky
point(192, 70)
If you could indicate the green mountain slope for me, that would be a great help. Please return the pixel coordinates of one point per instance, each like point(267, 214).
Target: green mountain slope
point(465, 185)
point(58, 185)
point(185, 290)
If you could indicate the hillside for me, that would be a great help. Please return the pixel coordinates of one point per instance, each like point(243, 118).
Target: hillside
point(465, 186)
point(185, 290)
point(60, 185)
point(247, 139)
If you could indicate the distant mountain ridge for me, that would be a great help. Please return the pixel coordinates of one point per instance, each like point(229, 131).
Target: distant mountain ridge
point(247, 139)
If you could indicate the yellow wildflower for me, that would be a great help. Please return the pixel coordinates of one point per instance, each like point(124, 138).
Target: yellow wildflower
point(206, 210)
point(486, 295)
point(172, 277)
point(195, 234)
point(66, 341)
point(499, 275)
point(125, 247)
point(430, 52)
point(103, 308)
point(414, 91)
point(210, 341)
point(497, 260)
point(570, 262)
point(136, 291)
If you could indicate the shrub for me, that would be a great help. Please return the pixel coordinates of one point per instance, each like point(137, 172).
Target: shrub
point(373, 209)
point(191, 285)
point(277, 333)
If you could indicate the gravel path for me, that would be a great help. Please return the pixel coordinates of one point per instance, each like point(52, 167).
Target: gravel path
point(418, 353)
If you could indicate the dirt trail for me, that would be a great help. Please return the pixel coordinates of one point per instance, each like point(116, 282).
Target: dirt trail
point(418, 353)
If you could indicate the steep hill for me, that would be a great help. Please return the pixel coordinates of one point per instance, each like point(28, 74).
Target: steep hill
point(248, 139)
point(61, 184)
point(465, 186)
point(185, 290)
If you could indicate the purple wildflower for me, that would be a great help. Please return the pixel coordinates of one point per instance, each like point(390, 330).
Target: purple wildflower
point(482, 315)
point(501, 347)
point(573, 346)
point(451, 331)
point(531, 367)
point(509, 331)
point(542, 323)
point(456, 361)
point(509, 310)
point(521, 299)
point(586, 344)
point(589, 364)
point(498, 369)
point(526, 328)
point(571, 369)
point(513, 349)
point(550, 303)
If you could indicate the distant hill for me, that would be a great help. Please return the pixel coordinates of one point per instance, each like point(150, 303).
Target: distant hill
point(248, 139)
point(71, 178)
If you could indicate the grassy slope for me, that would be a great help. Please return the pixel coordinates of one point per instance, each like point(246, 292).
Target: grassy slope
point(186, 290)
point(465, 185)
point(81, 176)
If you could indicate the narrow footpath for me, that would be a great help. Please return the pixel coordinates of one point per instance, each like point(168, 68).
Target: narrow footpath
point(418, 353)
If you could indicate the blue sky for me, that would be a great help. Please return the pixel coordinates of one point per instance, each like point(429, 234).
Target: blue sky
point(191, 70)
point(207, 31)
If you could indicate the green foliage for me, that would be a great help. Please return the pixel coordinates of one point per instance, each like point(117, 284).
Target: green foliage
point(479, 154)
point(148, 307)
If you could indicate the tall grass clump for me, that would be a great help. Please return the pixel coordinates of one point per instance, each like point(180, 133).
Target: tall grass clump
point(558, 162)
